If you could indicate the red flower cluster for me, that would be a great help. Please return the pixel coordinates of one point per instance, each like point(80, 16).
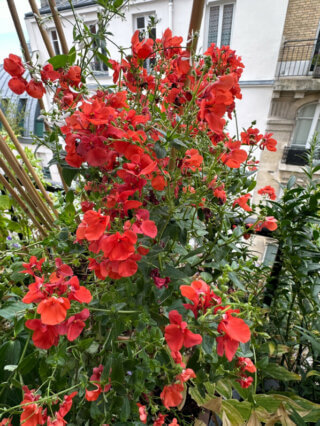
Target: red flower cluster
point(53, 298)
point(93, 395)
point(200, 295)
point(34, 414)
point(242, 202)
point(268, 190)
point(18, 84)
point(171, 395)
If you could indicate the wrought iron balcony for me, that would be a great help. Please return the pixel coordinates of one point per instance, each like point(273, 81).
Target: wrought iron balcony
point(297, 155)
point(299, 58)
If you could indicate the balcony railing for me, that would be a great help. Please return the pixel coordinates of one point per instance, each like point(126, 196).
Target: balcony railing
point(299, 58)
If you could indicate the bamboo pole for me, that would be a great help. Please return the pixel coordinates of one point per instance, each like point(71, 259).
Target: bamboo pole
point(20, 189)
point(59, 28)
point(43, 32)
point(24, 45)
point(195, 24)
point(25, 159)
point(9, 188)
point(16, 21)
point(26, 181)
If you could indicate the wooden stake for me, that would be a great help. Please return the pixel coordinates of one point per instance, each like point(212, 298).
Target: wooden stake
point(195, 24)
point(9, 188)
point(43, 32)
point(19, 30)
point(59, 27)
point(26, 160)
point(26, 181)
point(20, 189)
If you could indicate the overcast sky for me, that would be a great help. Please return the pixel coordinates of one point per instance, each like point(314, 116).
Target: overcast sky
point(9, 42)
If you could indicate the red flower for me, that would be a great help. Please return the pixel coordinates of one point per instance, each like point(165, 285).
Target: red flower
point(119, 246)
point(36, 291)
point(13, 66)
point(74, 325)
point(48, 73)
point(186, 375)
point(174, 422)
point(245, 381)
point(17, 85)
point(251, 136)
point(192, 160)
point(53, 310)
point(31, 414)
point(44, 336)
point(96, 376)
point(235, 156)
point(270, 223)
point(177, 334)
point(142, 49)
point(201, 295)
point(33, 265)
point(142, 413)
point(177, 358)
point(246, 364)
point(268, 190)
point(268, 142)
point(160, 420)
point(143, 225)
point(92, 226)
point(77, 292)
point(35, 89)
point(235, 331)
point(171, 395)
point(6, 422)
point(158, 183)
point(242, 202)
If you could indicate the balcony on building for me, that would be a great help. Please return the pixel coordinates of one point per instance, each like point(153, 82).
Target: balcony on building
point(299, 58)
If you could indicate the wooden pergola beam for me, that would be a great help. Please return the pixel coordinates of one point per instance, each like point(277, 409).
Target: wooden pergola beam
point(195, 24)
point(58, 25)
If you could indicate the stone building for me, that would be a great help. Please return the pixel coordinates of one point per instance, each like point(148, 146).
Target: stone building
point(295, 106)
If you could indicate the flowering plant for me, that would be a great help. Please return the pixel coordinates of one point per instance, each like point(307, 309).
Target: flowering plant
point(158, 256)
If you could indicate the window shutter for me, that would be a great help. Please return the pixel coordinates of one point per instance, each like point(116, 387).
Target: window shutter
point(226, 24)
point(213, 24)
point(270, 255)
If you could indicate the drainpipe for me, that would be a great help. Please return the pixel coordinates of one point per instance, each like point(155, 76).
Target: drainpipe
point(170, 10)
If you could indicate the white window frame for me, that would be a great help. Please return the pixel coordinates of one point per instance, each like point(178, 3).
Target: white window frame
point(221, 4)
point(144, 15)
point(102, 64)
point(314, 123)
point(55, 40)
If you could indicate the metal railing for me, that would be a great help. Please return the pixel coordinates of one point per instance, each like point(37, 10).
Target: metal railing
point(299, 58)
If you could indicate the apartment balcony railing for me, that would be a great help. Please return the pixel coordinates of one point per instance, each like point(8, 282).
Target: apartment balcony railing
point(299, 58)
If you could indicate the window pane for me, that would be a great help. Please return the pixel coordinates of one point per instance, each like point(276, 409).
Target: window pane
point(213, 24)
point(140, 23)
point(55, 42)
point(226, 24)
point(307, 111)
point(302, 131)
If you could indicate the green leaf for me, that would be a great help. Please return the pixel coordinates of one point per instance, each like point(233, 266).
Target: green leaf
point(104, 59)
point(59, 61)
point(11, 309)
point(5, 202)
point(280, 373)
point(125, 409)
point(291, 182)
point(177, 143)
point(313, 373)
point(69, 174)
point(72, 55)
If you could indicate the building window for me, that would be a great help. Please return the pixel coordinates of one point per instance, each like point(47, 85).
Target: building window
point(307, 124)
point(270, 255)
point(220, 24)
point(97, 64)
point(55, 42)
point(147, 29)
point(38, 123)
point(21, 111)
